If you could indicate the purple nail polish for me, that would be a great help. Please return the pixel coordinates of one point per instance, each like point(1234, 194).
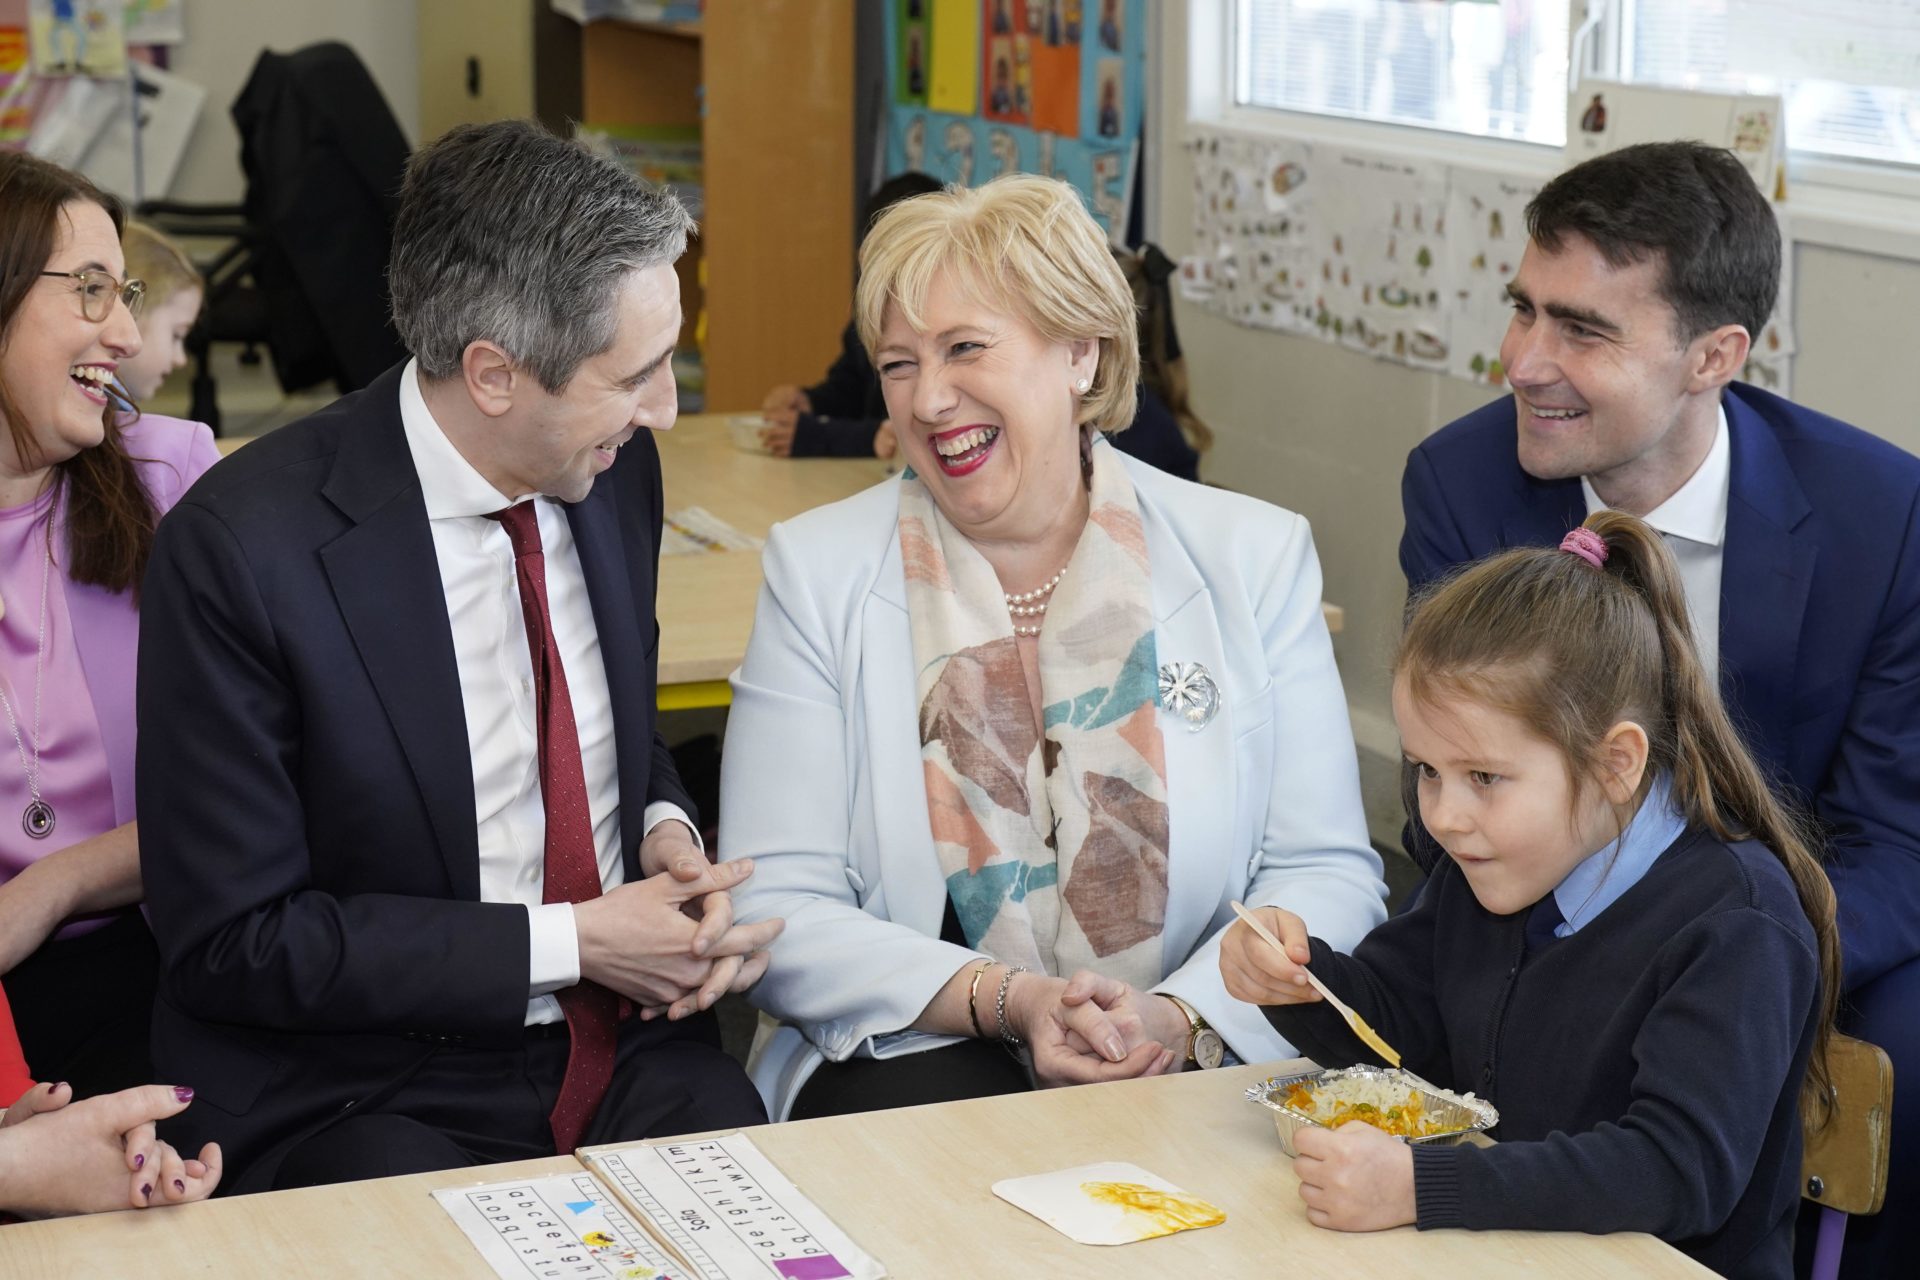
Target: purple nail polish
point(183, 1092)
point(180, 1186)
point(140, 1160)
point(146, 1189)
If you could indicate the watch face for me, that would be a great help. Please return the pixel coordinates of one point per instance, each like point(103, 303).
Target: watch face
point(1209, 1050)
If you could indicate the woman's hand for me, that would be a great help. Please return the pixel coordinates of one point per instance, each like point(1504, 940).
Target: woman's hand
point(1040, 1017)
point(1137, 1016)
point(36, 1101)
point(1258, 974)
point(1355, 1178)
point(101, 1153)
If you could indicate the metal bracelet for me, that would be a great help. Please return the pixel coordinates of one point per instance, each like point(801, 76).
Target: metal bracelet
point(1007, 1037)
point(973, 995)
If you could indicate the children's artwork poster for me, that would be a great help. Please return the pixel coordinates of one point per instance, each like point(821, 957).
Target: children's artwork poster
point(156, 21)
point(1404, 259)
point(986, 87)
point(78, 37)
point(1487, 216)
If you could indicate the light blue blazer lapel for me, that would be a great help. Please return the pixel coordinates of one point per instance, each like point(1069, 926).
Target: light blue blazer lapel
point(1766, 573)
point(895, 860)
point(1203, 791)
point(106, 631)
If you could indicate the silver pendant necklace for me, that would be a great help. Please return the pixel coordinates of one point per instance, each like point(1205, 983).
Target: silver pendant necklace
point(38, 818)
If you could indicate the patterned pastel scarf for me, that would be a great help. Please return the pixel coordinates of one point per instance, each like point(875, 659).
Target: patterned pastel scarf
point(1054, 847)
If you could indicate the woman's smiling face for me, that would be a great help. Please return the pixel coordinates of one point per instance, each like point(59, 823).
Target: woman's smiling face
point(985, 409)
point(55, 361)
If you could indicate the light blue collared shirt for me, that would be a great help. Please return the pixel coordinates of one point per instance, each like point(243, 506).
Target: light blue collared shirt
point(1599, 880)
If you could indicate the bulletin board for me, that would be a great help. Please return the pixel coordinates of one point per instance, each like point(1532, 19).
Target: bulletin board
point(979, 88)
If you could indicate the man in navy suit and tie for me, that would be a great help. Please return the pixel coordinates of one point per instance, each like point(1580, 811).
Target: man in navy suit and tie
point(425, 882)
point(1646, 276)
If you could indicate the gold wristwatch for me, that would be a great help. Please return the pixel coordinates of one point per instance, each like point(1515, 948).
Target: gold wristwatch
point(1205, 1048)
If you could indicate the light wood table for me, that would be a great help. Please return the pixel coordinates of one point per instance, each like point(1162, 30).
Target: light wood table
point(706, 601)
point(912, 1187)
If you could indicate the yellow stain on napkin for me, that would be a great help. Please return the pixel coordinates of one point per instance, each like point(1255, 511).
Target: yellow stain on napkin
point(1168, 1211)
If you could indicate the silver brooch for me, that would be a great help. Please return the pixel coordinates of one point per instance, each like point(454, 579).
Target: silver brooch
point(1188, 690)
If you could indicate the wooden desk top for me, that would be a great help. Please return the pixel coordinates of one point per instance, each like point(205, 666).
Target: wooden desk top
point(912, 1187)
point(706, 601)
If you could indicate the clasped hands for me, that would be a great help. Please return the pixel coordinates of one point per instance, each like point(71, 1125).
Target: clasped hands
point(668, 941)
point(61, 1156)
point(1088, 1028)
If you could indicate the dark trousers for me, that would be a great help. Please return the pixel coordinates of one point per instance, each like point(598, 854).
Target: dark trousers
point(83, 1007)
point(467, 1107)
point(970, 1069)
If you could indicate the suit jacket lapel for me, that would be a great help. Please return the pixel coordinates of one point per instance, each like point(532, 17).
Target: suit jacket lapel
point(1203, 793)
point(916, 892)
point(618, 576)
point(1765, 575)
point(386, 580)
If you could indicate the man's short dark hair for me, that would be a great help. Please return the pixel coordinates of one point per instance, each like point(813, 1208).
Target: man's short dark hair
point(1693, 207)
point(510, 234)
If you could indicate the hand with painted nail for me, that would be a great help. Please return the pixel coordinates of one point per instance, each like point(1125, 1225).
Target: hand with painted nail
point(101, 1153)
point(1052, 1029)
point(1121, 1014)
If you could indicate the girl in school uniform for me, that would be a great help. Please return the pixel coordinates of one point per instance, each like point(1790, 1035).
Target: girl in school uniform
point(1630, 949)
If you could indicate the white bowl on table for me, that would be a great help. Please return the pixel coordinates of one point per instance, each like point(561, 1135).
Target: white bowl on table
point(743, 429)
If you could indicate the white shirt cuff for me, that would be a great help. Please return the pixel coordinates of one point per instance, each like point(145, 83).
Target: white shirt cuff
point(553, 948)
point(662, 810)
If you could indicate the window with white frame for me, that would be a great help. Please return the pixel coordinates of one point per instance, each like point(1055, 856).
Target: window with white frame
point(1757, 46)
point(1499, 68)
point(1486, 68)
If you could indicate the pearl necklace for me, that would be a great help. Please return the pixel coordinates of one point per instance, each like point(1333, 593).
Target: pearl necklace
point(1032, 604)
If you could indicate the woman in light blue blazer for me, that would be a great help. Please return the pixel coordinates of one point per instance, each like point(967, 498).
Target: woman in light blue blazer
point(1015, 728)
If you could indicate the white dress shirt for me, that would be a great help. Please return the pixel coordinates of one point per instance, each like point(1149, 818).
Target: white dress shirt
point(1694, 523)
point(496, 689)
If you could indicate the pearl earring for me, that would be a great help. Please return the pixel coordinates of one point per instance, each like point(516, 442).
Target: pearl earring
point(1081, 386)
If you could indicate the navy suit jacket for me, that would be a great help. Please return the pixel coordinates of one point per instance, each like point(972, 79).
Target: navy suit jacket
point(307, 827)
point(1819, 621)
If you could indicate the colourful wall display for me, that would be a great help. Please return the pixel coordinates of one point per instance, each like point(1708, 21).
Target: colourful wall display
point(985, 87)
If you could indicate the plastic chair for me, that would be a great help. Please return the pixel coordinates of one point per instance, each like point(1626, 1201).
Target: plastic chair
point(1844, 1168)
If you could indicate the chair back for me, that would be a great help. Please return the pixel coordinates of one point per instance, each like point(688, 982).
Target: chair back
point(1844, 1165)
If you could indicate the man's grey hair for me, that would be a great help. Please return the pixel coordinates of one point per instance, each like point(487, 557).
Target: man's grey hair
point(509, 234)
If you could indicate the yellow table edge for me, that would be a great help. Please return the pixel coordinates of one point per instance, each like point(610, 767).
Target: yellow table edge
point(693, 695)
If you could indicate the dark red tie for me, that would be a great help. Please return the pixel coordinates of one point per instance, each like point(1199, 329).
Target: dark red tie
point(572, 869)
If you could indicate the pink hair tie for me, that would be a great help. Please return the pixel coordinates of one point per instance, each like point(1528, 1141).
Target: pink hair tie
point(1586, 544)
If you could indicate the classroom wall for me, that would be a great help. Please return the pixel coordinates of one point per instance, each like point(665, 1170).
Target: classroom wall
point(225, 36)
point(1325, 431)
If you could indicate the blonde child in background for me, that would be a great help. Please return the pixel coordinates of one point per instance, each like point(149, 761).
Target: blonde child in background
point(175, 291)
point(1630, 949)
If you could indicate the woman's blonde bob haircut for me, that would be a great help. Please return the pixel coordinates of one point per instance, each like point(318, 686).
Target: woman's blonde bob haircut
point(1021, 245)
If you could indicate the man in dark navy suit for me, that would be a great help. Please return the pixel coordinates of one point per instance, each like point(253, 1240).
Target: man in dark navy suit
point(1647, 273)
point(425, 883)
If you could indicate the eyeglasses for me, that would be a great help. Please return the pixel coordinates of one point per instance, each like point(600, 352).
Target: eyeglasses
point(97, 291)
